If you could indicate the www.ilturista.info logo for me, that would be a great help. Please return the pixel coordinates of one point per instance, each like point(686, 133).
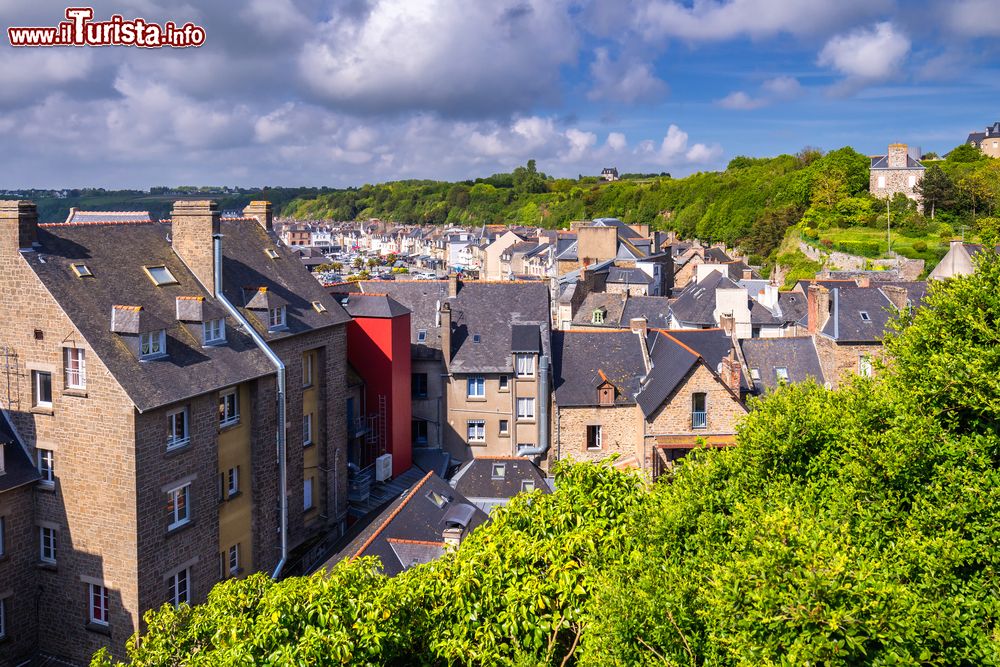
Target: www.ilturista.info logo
point(79, 30)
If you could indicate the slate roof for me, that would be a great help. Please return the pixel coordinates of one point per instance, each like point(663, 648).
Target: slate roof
point(376, 305)
point(422, 298)
point(718, 255)
point(613, 303)
point(580, 357)
point(18, 469)
point(793, 306)
point(882, 162)
point(712, 344)
point(624, 231)
point(628, 276)
point(695, 306)
point(656, 310)
point(671, 364)
point(76, 216)
point(847, 324)
point(189, 369)
point(795, 354)
point(412, 520)
point(475, 480)
point(525, 338)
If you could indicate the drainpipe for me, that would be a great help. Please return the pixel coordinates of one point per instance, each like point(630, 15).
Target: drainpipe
point(280, 367)
point(543, 411)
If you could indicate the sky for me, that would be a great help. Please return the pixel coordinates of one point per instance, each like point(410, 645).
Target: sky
point(346, 92)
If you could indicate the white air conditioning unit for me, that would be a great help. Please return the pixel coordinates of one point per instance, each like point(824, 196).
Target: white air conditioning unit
point(383, 467)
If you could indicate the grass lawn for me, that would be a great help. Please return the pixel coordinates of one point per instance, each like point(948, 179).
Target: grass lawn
point(936, 248)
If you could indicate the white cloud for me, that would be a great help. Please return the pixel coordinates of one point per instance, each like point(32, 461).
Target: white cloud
point(27, 74)
point(616, 141)
point(778, 89)
point(866, 55)
point(742, 101)
point(782, 87)
point(974, 18)
point(624, 81)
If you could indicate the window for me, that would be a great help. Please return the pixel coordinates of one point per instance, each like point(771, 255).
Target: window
point(421, 335)
point(597, 317)
point(527, 485)
point(307, 369)
point(178, 591)
point(99, 602)
point(47, 545)
point(271, 252)
point(755, 374)
point(781, 374)
point(699, 417)
point(865, 317)
point(229, 407)
point(307, 494)
point(476, 387)
point(498, 471)
point(214, 331)
point(912, 181)
point(41, 382)
point(594, 440)
point(276, 317)
point(418, 429)
point(160, 275)
point(178, 511)
point(525, 365)
point(46, 466)
point(152, 344)
point(233, 482)
point(504, 383)
point(436, 498)
point(865, 366)
point(307, 429)
point(476, 338)
point(318, 307)
point(234, 560)
point(525, 408)
point(177, 422)
point(476, 430)
point(504, 427)
point(75, 365)
point(881, 181)
point(81, 270)
point(418, 385)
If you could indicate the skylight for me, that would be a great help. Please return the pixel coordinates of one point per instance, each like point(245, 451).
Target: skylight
point(476, 338)
point(781, 373)
point(81, 270)
point(499, 471)
point(271, 252)
point(319, 307)
point(160, 275)
point(864, 316)
point(755, 374)
point(436, 498)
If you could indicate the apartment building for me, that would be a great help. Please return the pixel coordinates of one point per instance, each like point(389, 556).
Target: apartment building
point(142, 372)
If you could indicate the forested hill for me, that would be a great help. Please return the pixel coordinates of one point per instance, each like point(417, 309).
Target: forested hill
point(751, 204)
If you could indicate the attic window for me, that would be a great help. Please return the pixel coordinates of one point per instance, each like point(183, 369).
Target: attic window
point(160, 275)
point(499, 471)
point(276, 318)
point(598, 316)
point(271, 252)
point(81, 271)
point(864, 316)
point(153, 344)
point(527, 485)
point(781, 373)
point(318, 307)
point(755, 374)
point(436, 498)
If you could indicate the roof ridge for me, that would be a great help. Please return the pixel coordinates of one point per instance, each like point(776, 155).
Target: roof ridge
point(97, 222)
point(682, 344)
point(367, 543)
point(429, 543)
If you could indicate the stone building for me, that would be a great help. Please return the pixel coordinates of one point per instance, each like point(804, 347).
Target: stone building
point(152, 413)
point(898, 171)
point(987, 141)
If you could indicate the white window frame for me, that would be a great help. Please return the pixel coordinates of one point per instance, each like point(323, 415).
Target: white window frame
point(307, 494)
point(421, 335)
point(214, 331)
point(307, 369)
point(75, 378)
point(47, 544)
point(525, 365)
point(175, 597)
point(702, 423)
point(475, 387)
point(232, 481)
point(307, 429)
point(276, 318)
point(227, 417)
point(755, 374)
point(504, 427)
point(46, 462)
point(162, 275)
point(179, 512)
point(154, 343)
point(174, 442)
point(525, 409)
point(475, 430)
point(503, 383)
point(881, 182)
point(234, 560)
point(98, 593)
point(599, 437)
point(36, 389)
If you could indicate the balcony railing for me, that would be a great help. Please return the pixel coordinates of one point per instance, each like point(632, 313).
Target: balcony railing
point(356, 427)
point(699, 419)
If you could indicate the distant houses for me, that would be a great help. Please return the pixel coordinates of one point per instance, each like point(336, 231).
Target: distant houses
point(898, 171)
point(987, 141)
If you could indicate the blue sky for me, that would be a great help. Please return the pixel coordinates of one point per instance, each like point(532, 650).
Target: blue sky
point(344, 92)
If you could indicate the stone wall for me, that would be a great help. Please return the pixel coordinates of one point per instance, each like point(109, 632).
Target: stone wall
point(18, 578)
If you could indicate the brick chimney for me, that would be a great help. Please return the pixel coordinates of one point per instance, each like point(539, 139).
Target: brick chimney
point(452, 536)
point(191, 227)
point(818, 307)
point(863, 281)
point(445, 318)
point(262, 211)
point(729, 371)
point(19, 225)
point(897, 295)
point(897, 156)
point(728, 323)
point(452, 285)
point(638, 326)
point(747, 274)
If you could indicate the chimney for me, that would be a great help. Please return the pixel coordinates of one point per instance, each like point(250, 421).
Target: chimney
point(191, 228)
point(262, 211)
point(452, 285)
point(863, 281)
point(729, 371)
point(897, 156)
point(818, 307)
point(728, 324)
point(19, 222)
point(452, 536)
point(446, 332)
point(638, 326)
point(897, 295)
point(747, 274)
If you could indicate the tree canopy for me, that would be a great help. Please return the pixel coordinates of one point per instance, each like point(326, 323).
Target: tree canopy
point(848, 527)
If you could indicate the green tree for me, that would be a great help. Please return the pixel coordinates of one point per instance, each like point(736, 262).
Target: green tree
point(964, 153)
point(937, 190)
point(528, 180)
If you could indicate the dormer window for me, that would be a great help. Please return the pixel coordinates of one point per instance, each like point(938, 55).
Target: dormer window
point(598, 316)
point(214, 331)
point(755, 374)
point(81, 270)
point(160, 275)
point(153, 344)
point(276, 318)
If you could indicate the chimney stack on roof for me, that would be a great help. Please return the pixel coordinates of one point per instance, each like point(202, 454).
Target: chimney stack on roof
point(897, 156)
point(192, 225)
point(452, 285)
point(262, 211)
point(863, 281)
point(19, 222)
point(899, 297)
point(729, 370)
point(445, 319)
point(818, 307)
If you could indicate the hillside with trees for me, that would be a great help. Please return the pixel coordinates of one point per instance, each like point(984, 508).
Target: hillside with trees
point(848, 527)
